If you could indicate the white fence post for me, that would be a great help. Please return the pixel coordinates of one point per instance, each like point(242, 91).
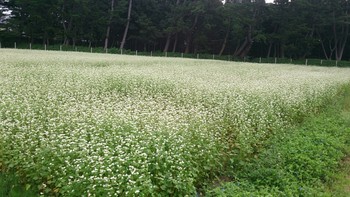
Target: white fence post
point(136, 52)
point(15, 45)
point(60, 47)
point(306, 62)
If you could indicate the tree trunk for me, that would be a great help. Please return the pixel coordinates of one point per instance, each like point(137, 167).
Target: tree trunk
point(269, 50)
point(340, 44)
point(65, 40)
point(225, 41)
point(343, 43)
point(340, 40)
point(175, 42)
point(67, 29)
point(324, 50)
point(166, 48)
point(190, 33)
point(247, 44)
point(322, 45)
point(345, 34)
point(282, 50)
point(127, 26)
point(275, 29)
point(74, 42)
point(109, 25)
point(176, 34)
point(188, 45)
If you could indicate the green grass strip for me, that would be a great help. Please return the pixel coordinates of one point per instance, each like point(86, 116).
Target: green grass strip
point(304, 161)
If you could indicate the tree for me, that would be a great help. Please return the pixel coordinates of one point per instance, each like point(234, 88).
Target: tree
point(297, 28)
point(109, 24)
point(334, 31)
point(170, 27)
point(249, 17)
point(127, 25)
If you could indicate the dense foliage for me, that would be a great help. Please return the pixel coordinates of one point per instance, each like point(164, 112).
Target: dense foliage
point(108, 125)
point(292, 29)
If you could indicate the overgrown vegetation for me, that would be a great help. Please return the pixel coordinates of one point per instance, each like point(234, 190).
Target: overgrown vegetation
point(302, 162)
point(76, 124)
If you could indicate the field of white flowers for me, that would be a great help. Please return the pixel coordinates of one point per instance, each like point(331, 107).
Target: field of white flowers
point(106, 125)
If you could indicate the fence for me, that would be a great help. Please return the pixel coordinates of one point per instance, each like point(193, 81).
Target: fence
point(315, 62)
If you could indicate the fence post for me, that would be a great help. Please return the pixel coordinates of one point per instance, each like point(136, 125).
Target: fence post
point(275, 60)
point(260, 60)
point(151, 53)
point(30, 46)
point(291, 60)
point(182, 55)
point(136, 52)
point(15, 45)
point(321, 62)
point(306, 62)
point(244, 58)
point(197, 55)
point(213, 57)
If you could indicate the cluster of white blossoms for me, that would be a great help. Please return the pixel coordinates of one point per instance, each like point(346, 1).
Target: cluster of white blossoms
point(109, 125)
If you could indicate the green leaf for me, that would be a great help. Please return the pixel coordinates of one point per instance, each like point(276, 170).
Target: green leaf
point(28, 187)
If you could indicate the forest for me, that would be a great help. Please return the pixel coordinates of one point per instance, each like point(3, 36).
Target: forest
point(242, 28)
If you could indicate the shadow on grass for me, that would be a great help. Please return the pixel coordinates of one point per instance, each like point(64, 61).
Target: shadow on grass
point(10, 186)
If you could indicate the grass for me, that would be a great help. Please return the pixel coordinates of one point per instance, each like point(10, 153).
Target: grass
point(109, 125)
point(310, 160)
point(11, 186)
point(340, 184)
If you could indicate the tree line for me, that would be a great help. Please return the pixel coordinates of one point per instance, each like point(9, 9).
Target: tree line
point(284, 29)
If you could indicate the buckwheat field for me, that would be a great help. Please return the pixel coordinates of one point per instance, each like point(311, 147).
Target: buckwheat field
point(82, 124)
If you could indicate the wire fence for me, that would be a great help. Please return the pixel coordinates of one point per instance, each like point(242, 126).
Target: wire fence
point(272, 60)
